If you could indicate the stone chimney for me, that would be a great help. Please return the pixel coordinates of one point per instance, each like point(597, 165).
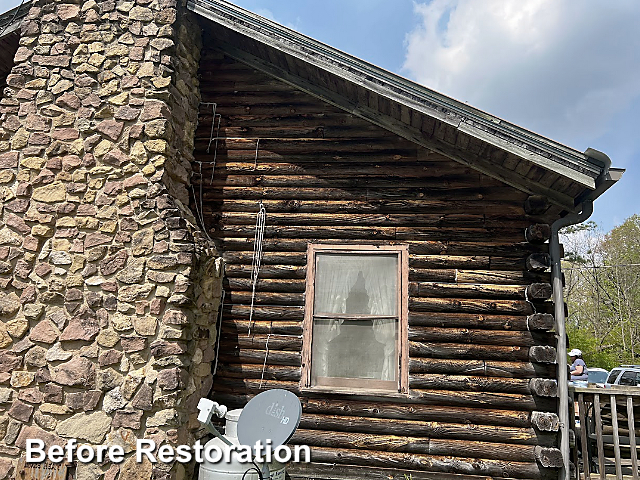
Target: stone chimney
point(109, 289)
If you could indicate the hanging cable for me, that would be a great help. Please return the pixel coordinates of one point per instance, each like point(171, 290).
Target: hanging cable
point(218, 333)
point(213, 122)
point(199, 203)
point(266, 354)
point(255, 161)
point(15, 15)
point(215, 149)
point(257, 257)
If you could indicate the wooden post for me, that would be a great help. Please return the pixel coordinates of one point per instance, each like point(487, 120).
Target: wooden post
point(616, 436)
point(596, 407)
point(632, 437)
point(586, 461)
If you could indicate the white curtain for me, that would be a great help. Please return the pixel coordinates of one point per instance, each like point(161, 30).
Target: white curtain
point(369, 282)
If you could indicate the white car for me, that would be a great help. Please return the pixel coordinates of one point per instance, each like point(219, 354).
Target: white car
point(596, 376)
point(628, 375)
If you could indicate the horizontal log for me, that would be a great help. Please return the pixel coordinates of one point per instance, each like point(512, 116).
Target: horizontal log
point(481, 368)
point(256, 341)
point(266, 271)
point(398, 206)
point(269, 372)
point(281, 327)
point(310, 232)
point(332, 471)
point(464, 305)
point(268, 313)
point(498, 434)
point(349, 165)
point(468, 351)
point(265, 298)
point(449, 290)
point(268, 258)
point(516, 277)
point(357, 219)
point(235, 355)
point(442, 193)
point(538, 233)
point(448, 261)
point(479, 408)
point(407, 409)
point(476, 383)
point(299, 146)
point(366, 234)
point(408, 444)
point(539, 291)
point(363, 179)
point(432, 275)
point(507, 250)
point(292, 285)
point(466, 335)
point(467, 466)
point(491, 400)
point(469, 320)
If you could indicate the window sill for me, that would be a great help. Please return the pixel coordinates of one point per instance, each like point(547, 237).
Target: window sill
point(355, 392)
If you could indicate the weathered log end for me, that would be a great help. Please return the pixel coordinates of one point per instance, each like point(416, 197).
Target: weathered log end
point(545, 421)
point(538, 262)
point(544, 387)
point(536, 205)
point(538, 233)
point(548, 457)
point(542, 354)
point(539, 291)
point(541, 321)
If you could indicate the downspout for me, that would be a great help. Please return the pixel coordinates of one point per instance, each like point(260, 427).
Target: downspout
point(605, 180)
point(561, 333)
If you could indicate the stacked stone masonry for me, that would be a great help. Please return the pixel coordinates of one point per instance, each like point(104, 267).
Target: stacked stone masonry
point(109, 291)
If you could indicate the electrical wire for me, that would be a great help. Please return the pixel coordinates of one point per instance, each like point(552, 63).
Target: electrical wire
point(255, 467)
point(257, 258)
point(12, 19)
point(218, 332)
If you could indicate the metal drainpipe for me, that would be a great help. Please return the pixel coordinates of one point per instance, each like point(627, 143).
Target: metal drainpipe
point(558, 301)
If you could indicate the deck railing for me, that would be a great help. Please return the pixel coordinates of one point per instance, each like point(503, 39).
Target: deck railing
point(605, 429)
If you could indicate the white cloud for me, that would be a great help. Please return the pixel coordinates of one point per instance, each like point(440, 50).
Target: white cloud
point(563, 68)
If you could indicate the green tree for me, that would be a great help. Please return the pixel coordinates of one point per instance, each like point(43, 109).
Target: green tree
point(602, 288)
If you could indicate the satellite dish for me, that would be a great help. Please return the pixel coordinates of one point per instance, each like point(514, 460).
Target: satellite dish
point(272, 415)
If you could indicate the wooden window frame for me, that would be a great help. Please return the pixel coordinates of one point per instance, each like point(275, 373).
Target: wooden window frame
point(355, 386)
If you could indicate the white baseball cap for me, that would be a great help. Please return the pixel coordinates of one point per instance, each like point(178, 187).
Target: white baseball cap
point(575, 353)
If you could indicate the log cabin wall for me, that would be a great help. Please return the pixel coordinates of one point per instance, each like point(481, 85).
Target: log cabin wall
point(481, 403)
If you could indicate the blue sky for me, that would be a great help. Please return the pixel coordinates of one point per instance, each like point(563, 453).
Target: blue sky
point(566, 69)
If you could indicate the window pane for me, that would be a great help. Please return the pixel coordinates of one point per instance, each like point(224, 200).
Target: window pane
point(356, 284)
point(613, 375)
point(364, 349)
point(628, 378)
